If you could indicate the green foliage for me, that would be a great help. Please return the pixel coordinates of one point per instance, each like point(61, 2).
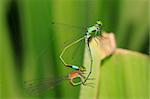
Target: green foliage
point(30, 47)
point(123, 75)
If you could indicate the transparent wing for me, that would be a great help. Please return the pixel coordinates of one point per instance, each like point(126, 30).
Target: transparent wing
point(54, 23)
point(72, 39)
point(74, 54)
point(68, 32)
point(38, 86)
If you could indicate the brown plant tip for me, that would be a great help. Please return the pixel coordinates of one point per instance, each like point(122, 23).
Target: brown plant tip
point(121, 51)
point(105, 44)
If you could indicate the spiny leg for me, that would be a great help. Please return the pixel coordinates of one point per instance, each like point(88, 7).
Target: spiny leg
point(95, 36)
point(75, 83)
point(80, 82)
point(62, 53)
point(95, 41)
point(87, 84)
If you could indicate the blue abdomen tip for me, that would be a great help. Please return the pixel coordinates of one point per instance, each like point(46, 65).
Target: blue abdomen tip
point(75, 67)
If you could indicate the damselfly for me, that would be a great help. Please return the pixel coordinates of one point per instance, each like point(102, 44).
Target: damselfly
point(91, 32)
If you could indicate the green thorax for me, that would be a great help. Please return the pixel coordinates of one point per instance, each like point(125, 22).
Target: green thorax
point(91, 29)
point(94, 30)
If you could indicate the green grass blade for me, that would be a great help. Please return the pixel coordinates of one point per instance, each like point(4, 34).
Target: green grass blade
point(123, 75)
point(7, 63)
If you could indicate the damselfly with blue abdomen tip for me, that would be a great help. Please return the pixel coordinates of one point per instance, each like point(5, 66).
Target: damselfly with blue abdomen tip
point(91, 32)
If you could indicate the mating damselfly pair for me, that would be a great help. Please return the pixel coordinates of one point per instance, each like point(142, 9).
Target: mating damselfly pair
point(78, 71)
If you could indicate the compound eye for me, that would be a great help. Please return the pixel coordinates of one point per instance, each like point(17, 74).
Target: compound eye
point(99, 23)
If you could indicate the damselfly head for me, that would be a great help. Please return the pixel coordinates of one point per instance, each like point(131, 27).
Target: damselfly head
point(99, 23)
point(82, 69)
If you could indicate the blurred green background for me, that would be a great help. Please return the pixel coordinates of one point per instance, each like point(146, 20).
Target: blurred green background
point(30, 46)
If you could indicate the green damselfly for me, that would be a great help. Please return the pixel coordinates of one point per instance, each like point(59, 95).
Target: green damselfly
point(91, 32)
point(36, 87)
